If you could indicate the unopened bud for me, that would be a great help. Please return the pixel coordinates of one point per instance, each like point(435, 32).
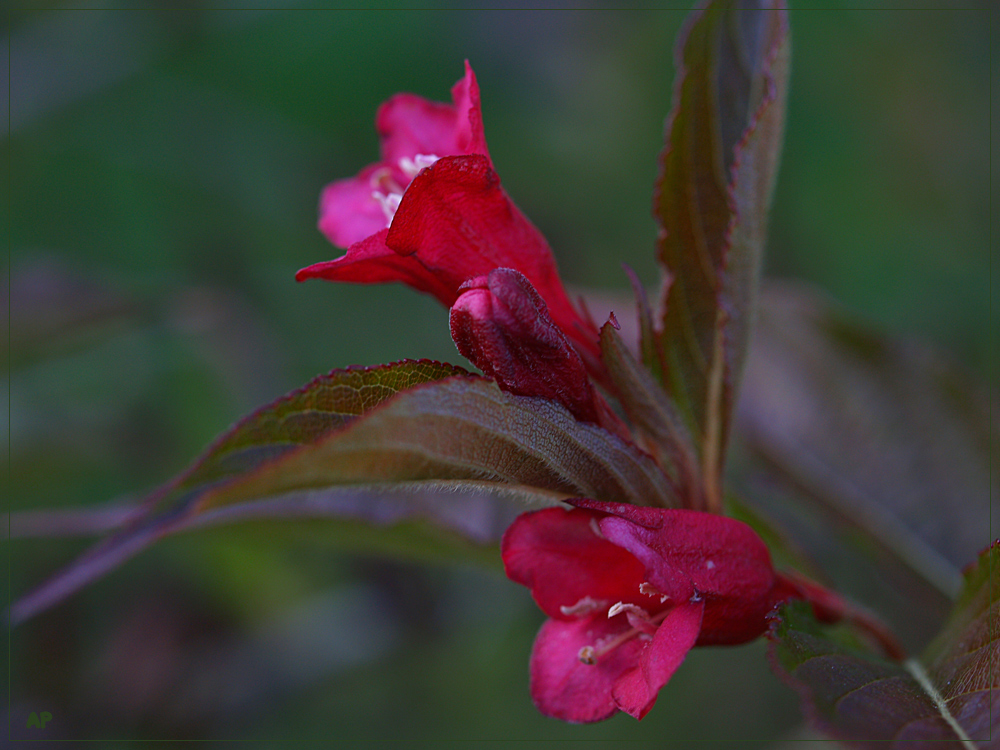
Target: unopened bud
point(502, 325)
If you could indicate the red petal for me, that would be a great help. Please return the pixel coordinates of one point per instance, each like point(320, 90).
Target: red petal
point(456, 218)
point(465, 94)
point(557, 554)
point(690, 553)
point(409, 125)
point(565, 688)
point(347, 211)
point(635, 692)
point(502, 326)
point(371, 262)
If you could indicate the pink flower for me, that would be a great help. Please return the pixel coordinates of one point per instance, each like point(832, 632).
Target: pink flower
point(432, 213)
point(414, 133)
point(629, 591)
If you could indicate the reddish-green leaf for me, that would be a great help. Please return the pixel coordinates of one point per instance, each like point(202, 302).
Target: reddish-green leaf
point(298, 418)
point(651, 353)
point(711, 202)
point(456, 452)
point(964, 660)
point(465, 429)
point(653, 415)
point(947, 697)
point(326, 403)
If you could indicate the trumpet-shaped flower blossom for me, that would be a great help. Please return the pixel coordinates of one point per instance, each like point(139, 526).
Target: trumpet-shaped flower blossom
point(629, 591)
point(433, 214)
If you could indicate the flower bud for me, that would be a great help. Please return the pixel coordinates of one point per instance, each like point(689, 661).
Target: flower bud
point(503, 326)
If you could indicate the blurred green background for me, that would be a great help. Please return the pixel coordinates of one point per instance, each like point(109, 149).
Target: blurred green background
point(164, 168)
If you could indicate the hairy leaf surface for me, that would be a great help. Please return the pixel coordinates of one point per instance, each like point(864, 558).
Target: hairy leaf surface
point(467, 429)
point(454, 451)
point(326, 403)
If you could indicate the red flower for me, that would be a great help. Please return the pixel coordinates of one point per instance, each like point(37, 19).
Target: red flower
point(629, 591)
point(432, 214)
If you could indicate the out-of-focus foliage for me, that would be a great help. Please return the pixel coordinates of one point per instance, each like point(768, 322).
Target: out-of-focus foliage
point(164, 171)
point(947, 701)
point(888, 440)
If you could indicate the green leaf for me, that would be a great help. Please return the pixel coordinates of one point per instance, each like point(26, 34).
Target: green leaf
point(711, 202)
point(453, 451)
point(858, 697)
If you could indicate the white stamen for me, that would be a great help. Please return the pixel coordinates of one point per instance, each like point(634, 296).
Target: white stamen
point(642, 626)
point(617, 609)
point(412, 166)
point(583, 607)
point(389, 204)
point(650, 590)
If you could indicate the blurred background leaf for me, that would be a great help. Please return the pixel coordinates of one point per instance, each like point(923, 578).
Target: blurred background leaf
point(165, 166)
point(869, 449)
